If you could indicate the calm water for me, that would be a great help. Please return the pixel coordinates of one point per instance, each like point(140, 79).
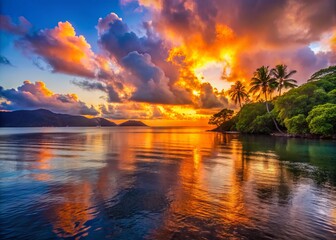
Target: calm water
point(164, 183)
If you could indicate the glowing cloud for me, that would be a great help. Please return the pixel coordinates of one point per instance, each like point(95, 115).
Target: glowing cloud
point(61, 49)
point(37, 95)
point(186, 55)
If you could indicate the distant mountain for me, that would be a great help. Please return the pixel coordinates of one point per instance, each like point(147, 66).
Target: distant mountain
point(46, 118)
point(132, 123)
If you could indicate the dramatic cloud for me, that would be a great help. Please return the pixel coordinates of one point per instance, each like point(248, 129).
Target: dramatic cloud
point(109, 89)
point(131, 111)
point(37, 95)
point(118, 41)
point(61, 49)
point(209, 99)
point(131, 68)
point(142, 61)
point(187, 53)
point(230, 31)
point(150, 81)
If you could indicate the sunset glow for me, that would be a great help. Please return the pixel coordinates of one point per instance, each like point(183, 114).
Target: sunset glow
point(158, 61)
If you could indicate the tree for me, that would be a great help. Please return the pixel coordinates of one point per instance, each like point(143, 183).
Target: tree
point(263, 83)
point(325, 72)
point(282, 77)
point(253, 118)
point(220, 117)
point(322, 119)
point(297, 124)
point(302, 100)
point(238, 92)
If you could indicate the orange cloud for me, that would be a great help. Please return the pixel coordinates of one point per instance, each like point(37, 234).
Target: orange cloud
point(229, 33)
point(37, 95)
point(189, 53)
point(333, 42)
point(147, 111)
point(62, 49)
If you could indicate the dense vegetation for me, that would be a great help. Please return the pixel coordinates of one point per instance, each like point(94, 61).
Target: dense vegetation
point(308, 109)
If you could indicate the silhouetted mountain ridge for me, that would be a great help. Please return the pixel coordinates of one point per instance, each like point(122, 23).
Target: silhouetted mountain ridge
point(46, 118)
point(132, 123)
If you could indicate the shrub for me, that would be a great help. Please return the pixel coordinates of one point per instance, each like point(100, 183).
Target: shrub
point(322, 119)
point(253, 118)
point(296, 124)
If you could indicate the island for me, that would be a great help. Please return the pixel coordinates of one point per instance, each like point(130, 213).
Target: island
point(46, 118)
point(306, 111)
point(132, 123)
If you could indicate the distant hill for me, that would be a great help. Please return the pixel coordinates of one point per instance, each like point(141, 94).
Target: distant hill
point(46, 118)
point(132, 123)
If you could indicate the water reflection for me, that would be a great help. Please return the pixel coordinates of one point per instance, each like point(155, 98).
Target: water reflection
point(165, 183)
point(72, 210)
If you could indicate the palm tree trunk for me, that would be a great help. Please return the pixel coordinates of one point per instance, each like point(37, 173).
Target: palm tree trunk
point(267, 107)
point(275, 123)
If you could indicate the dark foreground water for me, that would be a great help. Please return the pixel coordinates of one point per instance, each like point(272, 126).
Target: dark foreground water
point(164, 183)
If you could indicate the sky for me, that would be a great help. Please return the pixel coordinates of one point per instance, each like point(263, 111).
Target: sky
point(166, 62)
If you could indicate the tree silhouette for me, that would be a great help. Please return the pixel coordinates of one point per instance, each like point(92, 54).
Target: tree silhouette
point(220, 117)
point(238, 92)
point(282, 77)
point(262, 82)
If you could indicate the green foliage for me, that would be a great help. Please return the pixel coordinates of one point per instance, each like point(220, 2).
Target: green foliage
point(322, 119)
point(310, 108)
point(300, 100)
point(220, 117)
point(327, 83)
point(262, 124)
point(332, 96)
point(297, 124)
point(253, 118)
point(323, 73)
point(229, 125)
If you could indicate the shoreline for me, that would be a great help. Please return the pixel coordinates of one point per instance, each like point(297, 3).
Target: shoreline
point(284, 135)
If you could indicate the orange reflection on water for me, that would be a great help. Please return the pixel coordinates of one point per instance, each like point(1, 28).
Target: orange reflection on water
point(196, 158)
point(213, 183)
point(203, 175)
point(43, 158)
point(333, 216)
point(73, 211)
point(233, 198)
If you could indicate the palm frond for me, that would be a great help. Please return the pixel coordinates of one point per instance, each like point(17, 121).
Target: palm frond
point(290, 74)
point(329, 71)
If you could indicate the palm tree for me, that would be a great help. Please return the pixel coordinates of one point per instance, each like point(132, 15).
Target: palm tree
point(282, 77)
point(238, 92)
point(263, 82)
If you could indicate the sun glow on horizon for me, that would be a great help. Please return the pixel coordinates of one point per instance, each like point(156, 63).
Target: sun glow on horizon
point(173, 60)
